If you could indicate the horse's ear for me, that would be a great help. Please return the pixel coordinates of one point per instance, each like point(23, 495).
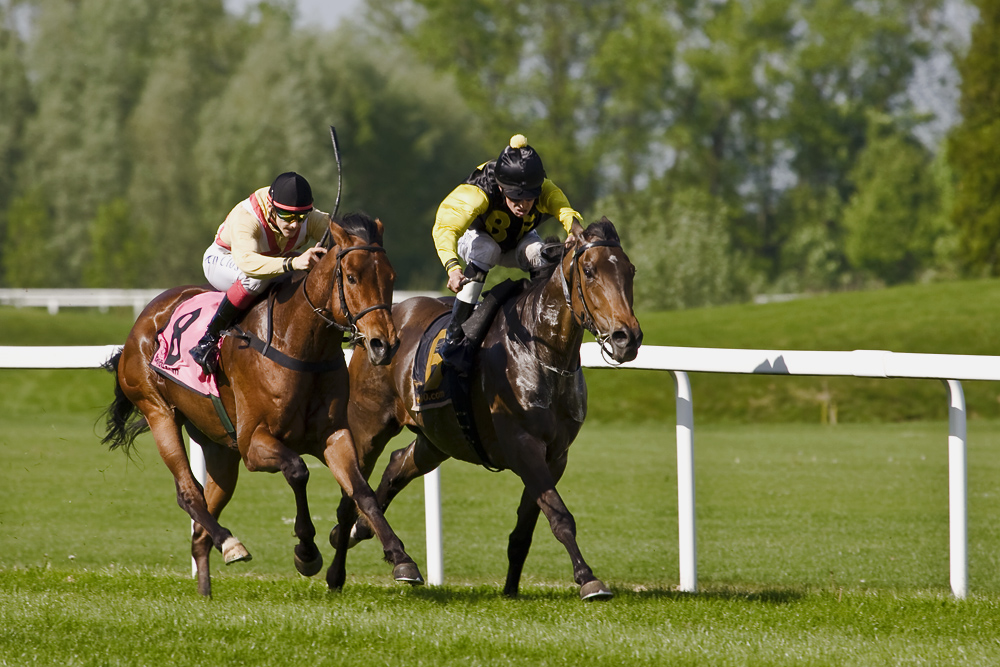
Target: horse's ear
point(339, 235)
point(380, 228)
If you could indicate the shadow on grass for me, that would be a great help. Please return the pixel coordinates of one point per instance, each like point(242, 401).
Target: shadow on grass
point(444, 595)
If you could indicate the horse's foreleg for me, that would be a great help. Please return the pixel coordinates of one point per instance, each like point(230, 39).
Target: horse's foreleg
point(190, 495)
point(223, 467)
point(342, 459)
point(268, 454)
point(405, 465)
point(520, 542)
point(540, 483)
point(340, 540)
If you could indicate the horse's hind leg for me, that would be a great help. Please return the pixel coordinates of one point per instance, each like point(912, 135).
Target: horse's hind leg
point(223, 467)
point(190, 495)
point(540, 484)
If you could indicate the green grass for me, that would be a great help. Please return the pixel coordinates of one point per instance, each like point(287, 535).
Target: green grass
point(817, 544)
point(947, 318)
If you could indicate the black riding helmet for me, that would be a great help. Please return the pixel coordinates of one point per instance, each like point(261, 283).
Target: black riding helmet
point(291, 192)
point(519, 170)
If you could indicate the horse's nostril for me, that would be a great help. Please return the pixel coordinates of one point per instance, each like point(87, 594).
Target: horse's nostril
point(620, 338)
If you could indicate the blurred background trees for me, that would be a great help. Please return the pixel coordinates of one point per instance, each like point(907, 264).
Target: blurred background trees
point(741, 147)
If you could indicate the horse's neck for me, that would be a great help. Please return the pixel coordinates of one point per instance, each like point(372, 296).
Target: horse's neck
point(295, 323)
point(556, 335)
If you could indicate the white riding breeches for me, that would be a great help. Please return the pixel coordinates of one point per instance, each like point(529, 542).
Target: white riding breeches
point(477, 247)
point(221, 270)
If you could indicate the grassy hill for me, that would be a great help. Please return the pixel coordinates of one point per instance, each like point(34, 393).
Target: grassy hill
point(951, 318)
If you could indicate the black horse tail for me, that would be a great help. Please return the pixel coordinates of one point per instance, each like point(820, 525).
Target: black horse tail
point(124, 422)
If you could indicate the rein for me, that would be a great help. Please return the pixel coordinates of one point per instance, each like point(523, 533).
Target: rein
point(586, 320)
point(351, 328)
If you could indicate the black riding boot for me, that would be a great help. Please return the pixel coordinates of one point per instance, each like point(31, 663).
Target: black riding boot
point(453, 349)
point(206, 352)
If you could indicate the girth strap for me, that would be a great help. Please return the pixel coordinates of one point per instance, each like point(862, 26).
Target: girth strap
point(283, 359)
point(220, 410)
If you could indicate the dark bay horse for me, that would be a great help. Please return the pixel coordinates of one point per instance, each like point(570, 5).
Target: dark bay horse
point(528, 394)
point(284, 405)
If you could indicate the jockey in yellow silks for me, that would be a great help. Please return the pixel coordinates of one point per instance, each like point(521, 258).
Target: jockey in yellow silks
point(490, 220)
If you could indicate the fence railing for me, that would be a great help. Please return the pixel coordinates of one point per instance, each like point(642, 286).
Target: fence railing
point(678, 361)
point(103, 299)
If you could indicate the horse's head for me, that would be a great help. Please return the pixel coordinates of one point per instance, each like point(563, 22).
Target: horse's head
point(363, 278)
point(598, 284)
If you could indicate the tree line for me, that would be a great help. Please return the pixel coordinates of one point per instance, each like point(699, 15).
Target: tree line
point(740, 147)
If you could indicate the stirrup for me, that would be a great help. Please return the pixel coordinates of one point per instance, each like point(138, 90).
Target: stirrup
point(206, 354)
point(457, 354)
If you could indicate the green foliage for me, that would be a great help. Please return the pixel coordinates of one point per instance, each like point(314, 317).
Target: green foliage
point(812, 259)
point(891, 219)
point(763, 104)
point(28, 259)
point(120, 251)
point(678, 245)
point(15, 100)
point(974, 145)
point(180, 109)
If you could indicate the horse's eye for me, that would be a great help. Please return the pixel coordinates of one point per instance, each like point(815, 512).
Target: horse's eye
point(587, 271)
point(351, 279)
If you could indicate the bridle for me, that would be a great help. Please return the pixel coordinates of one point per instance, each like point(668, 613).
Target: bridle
point(351, 328)
point(586, 320)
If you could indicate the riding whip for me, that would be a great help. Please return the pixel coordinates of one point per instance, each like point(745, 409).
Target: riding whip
point(340, 183)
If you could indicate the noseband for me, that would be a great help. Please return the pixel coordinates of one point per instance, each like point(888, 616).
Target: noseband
point(586, 320)
point(351, 328)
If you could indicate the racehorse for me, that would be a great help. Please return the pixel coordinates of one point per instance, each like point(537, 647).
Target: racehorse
point(528, 394)
point(288, 396)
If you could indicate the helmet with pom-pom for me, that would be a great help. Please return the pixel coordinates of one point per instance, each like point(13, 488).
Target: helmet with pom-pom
point(519, 171)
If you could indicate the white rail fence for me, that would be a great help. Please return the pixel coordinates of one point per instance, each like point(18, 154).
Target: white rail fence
point(103, 299)
point(679, 361)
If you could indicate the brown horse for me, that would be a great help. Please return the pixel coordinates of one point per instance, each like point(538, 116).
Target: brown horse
point(528, 394)
point(288, 401)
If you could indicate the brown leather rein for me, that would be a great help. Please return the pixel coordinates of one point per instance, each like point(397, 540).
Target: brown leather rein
point(328, 316)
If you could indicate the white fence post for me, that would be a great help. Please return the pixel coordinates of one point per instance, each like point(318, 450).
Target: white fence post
point(197, 457)
point(686, 535)
point(432, 521)
point(957, 490)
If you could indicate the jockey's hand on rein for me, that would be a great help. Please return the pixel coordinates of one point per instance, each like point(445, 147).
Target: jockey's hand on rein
point(309, 258)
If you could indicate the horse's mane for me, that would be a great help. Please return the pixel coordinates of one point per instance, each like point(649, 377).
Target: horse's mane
point(602, 230)
point(362, 225)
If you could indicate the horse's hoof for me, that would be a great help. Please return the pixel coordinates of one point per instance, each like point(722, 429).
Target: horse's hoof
point(335, 536)
point(308, 568)
point(595, 590)
point(233, 551)
point(408, 573)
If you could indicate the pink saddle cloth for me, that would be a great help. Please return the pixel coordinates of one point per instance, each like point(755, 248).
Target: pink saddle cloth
point(187, 325)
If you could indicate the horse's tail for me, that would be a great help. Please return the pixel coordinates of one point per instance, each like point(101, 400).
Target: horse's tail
point(124, 422)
